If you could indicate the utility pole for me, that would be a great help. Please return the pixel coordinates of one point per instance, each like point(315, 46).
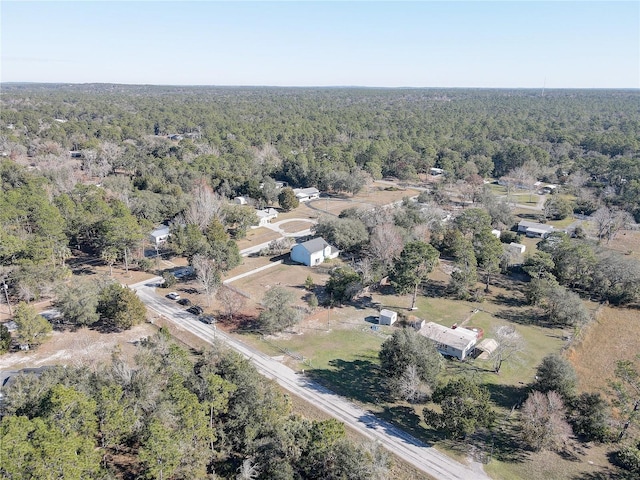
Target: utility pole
point(6, 294)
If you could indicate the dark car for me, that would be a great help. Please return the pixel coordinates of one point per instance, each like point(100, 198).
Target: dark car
point(208, 319)
point(184, 301)
point(196, 310)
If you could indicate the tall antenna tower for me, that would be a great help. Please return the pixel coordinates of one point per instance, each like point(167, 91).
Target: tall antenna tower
point(544, 85)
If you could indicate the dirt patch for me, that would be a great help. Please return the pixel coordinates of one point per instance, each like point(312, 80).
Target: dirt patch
point(82, 347)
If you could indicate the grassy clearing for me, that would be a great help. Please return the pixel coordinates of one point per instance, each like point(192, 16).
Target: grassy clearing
point(525, 199)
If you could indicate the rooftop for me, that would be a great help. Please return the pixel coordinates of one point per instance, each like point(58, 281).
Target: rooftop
point(458, 338)
point(534, 225)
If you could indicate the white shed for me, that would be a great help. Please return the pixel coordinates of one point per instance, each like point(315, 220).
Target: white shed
point(387, 317)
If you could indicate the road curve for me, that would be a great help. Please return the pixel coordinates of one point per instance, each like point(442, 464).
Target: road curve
point(411, 450)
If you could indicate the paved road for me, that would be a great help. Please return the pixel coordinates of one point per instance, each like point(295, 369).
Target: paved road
point(414, 452)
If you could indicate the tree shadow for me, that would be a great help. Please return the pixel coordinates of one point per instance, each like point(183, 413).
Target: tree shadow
point(357, 379)
point(435, 288)
point(507, 396)
point(240, 323)
point(503, 443)
point(528, 316)
point(406, 418)
point(509, 301)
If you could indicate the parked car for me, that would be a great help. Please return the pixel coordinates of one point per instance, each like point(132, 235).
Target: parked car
point(196, 310)
point(184, 301)
point(208, 319)
point(173, 296)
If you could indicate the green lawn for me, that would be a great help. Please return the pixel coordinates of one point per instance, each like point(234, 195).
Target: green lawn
point(345, 359)
point(525, 199)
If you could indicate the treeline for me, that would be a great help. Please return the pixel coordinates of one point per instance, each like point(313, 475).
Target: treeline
point(168, 416)
point(234, 137)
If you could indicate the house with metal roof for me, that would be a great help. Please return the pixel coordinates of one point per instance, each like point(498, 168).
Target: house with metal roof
point(535, 230)
point(306, 194)
point(313, 252)
point(454, 342)
point(160, 235)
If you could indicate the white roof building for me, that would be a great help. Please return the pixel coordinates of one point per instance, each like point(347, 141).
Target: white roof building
point(265, 216)
point(454, 342)
point(306, 194)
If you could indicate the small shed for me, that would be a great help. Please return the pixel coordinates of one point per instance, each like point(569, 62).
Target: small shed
point(387, 317)
point(160, 235)
point(496, 233)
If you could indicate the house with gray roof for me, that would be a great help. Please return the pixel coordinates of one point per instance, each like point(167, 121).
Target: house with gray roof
point(454, 342)
point(313, 252)
point(535, 230)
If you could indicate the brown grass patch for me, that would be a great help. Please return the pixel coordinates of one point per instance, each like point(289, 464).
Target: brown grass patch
point(627, 242)
point(614, 335)
point(256, 236)
point(295, 226)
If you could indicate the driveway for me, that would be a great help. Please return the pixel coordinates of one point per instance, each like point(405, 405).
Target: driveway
point(420, 455)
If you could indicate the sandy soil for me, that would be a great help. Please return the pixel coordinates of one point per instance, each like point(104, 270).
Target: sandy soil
point(82, 347)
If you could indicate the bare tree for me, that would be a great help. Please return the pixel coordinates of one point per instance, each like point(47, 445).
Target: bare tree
point(410, 387)
point(207, 274)
point(205, 205)
point(544, 426)
point(248, 470)
point(610, 221)
point(110, 153)
point(510, 345)
point(278, 246)
point(524, 177)
point(386, 243)
point(231, 301)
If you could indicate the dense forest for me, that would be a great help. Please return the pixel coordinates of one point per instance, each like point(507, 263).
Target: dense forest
point(170, 416)
point(168, 137)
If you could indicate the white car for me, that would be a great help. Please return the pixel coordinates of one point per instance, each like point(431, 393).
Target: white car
point(173, 296)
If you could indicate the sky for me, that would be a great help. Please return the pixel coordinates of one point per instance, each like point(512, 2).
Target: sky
point(503, 44)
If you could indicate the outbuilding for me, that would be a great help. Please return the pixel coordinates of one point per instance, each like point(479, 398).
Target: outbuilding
point(160, 235)
point(387, 317)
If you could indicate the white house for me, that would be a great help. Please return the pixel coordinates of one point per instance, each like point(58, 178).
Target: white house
point(387, 317)
point(454, 342)
point(535, 230)
point(159, 235)
point(313, 252)
point(436, 171)
point(265, 216)
point(306, 194)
